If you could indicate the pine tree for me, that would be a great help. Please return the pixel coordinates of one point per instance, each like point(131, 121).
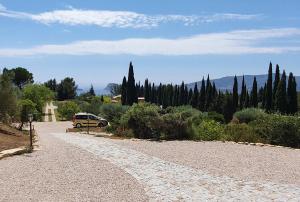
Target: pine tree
point(275, 83)
point(124, 91)
point(253, 99)
point(281, 96)
point(202, 98)
point(235, 95)
point(194, 102)
point(292, 97)
point(91, 91)
point(131, 90)
point(269, 95)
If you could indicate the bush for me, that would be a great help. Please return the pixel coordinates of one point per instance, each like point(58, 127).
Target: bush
point(67, 109)
point(143, 119)
point(278, 129)
point(241, 133)
point(249, 114)
point(216, 117)
point(112, 112)
point(207, 130)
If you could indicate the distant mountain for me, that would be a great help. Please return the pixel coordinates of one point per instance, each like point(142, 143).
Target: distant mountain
point(108, 88)
point(226, 83)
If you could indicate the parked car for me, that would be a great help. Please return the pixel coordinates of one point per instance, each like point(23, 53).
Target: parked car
point(86, 119)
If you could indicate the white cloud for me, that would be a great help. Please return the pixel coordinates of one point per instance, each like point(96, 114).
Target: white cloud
point(234, 42)
point(122, 19)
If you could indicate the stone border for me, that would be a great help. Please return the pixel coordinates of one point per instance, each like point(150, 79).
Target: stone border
point(12, 152)
point(261, 145)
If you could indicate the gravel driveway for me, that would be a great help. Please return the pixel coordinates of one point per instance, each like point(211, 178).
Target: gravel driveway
point(80, 167)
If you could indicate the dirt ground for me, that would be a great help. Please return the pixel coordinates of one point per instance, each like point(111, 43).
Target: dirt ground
point(11, 138)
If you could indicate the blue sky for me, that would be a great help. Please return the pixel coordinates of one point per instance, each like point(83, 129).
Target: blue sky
point(167, 41)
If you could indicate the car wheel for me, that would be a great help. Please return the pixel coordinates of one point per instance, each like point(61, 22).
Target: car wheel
point(78, 125)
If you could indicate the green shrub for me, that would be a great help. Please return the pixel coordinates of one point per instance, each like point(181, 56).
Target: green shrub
point(216, 117)
point(241, 133)
point(67, 109)
point(143, 119)
point(207, 130)
point(112, 113)
point(278, 129)
point(249, 114)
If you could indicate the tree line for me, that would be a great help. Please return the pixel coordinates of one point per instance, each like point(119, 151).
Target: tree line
point(278, 95)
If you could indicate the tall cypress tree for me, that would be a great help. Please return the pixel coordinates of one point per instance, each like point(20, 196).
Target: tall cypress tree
point(190, 96)
point(186, 95)
point(181, 94)
point(275, 83)
point(243, 94)
point(269, 95)
point(131, 90)
point(195, 97)
point(235, 94)
point(281, 96)
point(202, 98)
point(160, 94)
point(146, 91)
point(292, 97)
point(208, 94)
point(124, 91)
point(254, 100)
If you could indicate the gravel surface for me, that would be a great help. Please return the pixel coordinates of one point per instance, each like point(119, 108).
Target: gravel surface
point(79, 167)
point(62, 172)
point(172, 182)
point(244, 162)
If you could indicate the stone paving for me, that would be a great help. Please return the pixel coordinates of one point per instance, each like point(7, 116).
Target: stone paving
point(166, 181)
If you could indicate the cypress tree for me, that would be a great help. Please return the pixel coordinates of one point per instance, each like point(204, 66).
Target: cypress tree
point(153, 93)
point(202, 98)
point(190, 96)
point(235, 95)
point(254, 100)
point(194, 102)
point(264, 96)
point(146, 91)
point(124, 91)
point(261, 95)
point(186, 95)
point(292, 97)
point(275, 83)
point(181, 94)
point(243, 94)
point(247, 100)
point(229, 107)
point(160, 94)
point(131, 90)
point(269, 96)
point(281, 96)
point(92, 92)
point(208, 94)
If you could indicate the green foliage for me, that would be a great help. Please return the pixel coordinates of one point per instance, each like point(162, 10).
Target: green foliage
point(143, 119)
point(241, 133)
point(67, 109)
point(207, 130)
point(249, 114)
point(38, 94)
point(216, 117)
point(278, 129)
point(175, 122)
point(20, 76)
point(8, 99)
point(66, 90)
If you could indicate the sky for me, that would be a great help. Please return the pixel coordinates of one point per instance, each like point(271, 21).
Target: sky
point(167, 41)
